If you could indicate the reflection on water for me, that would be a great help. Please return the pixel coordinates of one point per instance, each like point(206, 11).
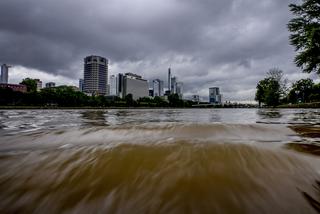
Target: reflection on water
point(215, 117)
point(160, 161)
point(269, 113)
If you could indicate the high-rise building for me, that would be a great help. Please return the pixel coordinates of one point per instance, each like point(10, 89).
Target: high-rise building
point(113, 85)
point(135, 85)
point(95, 75)
point(4, 73)
point(50, 85)
point(157, 88)
point(81, 84)
point(169, 79)
point(179, 89)
point(173, 88)
point(214, 95)
point(161, 88)
point(39, 84)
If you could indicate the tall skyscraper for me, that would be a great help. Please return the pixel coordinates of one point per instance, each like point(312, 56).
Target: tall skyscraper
point(113, 85)
point(179, 89)
point(157, 88)
point(169, 79)
point(95, 75)
point(214, 95)
point(173, 88)
point(4, 73)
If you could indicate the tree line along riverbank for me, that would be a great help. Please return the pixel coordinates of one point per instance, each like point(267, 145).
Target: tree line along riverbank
point(273, 91)
point(67, 97)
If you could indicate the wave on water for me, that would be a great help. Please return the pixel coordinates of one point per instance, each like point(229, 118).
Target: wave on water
point(150, 133)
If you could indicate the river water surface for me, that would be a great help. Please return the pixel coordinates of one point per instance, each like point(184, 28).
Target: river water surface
point(160, 161)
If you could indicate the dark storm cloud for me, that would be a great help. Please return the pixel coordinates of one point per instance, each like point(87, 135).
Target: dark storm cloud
point(207, 42)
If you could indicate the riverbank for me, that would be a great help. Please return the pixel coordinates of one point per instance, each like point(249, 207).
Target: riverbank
point(301, 105)
point(78, 107)
point(111, 107)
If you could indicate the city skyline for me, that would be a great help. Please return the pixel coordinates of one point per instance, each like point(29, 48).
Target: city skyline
point(207, 43)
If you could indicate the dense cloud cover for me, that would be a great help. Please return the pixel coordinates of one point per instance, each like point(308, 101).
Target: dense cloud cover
point(225, 43)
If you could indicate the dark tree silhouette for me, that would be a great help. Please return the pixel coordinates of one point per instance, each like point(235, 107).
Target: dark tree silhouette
point(305, 29)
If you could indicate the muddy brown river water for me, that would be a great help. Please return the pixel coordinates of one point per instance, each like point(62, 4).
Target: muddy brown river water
point(160, 161)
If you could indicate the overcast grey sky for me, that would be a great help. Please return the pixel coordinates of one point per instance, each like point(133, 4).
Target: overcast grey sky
point(225, 43)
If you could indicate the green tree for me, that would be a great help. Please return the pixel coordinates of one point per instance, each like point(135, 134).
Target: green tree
point(160, 102)
point(129, 100)
point(30, 83)
point(305, 29)
point(277, 75)
point(302, 89)
point(268, 92)
point(10, 97)
point(315, 94)
point(271, 89)
point(261, 91)
point(175, 101)
point(273, 93)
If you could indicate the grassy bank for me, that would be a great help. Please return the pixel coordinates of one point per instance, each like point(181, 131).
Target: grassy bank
point(301, 105)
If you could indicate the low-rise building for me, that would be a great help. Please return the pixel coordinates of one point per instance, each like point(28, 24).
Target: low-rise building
point(195, 98)
point(150, 92)
point(15, 87)
point(50, 85)
point(135, 85)
point(39, 84)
